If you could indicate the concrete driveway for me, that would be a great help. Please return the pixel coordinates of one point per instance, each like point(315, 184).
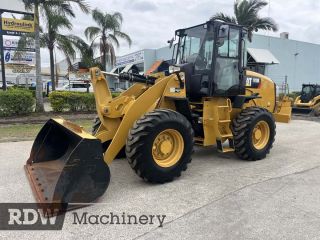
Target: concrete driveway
point(219, 197)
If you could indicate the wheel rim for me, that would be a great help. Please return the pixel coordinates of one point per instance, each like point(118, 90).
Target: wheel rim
point(167, 148)
point(261, 135)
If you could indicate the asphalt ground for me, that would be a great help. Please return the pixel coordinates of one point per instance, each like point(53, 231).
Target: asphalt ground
point(218, 197)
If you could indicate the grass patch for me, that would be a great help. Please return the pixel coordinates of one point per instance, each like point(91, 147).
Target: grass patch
point(21, 132)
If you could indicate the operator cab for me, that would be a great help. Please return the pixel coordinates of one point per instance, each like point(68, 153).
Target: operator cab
point(212, 57)
point(309, 91)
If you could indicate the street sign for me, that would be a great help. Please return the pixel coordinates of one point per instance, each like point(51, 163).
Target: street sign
point(12, 44)
point(14, 27)
point(13, 33)
point(17, 25)
point(136, 57)
point(22, 70)
point(19, 57)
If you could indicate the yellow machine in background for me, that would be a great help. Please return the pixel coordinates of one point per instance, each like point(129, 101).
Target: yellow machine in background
point(309, 100)
point(207, 99)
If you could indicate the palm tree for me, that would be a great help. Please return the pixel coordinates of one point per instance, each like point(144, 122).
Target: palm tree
point(53, 39)
point(63, 6)
point(246, 14)
point(86, 51)
point(108, 31)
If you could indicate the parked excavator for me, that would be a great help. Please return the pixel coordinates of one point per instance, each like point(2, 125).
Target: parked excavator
point(207, 98)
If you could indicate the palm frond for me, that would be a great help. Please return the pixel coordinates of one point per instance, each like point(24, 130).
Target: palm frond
point(118, 16)
point(247, 14)
point(124, 36)
point(28, 4)
point(82, 4)
point(64, 44)
point(256, 5)
point(98, 17)
point(266, 24)
point(65, 9)
point(223, 17)
point(92, 32)
point(56, 21)
point(114, 39)
point(44, 39)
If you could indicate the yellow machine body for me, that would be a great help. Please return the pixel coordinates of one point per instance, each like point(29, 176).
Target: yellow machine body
point(312, 105)
point(309, 100)
point(159, 119)
point(78, 151)
point(119, 114)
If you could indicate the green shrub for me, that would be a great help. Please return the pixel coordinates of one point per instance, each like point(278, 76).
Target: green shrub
point(114, 95)
point(31, 89)
point(16, 102)
point(294, 95)
point(72, 101)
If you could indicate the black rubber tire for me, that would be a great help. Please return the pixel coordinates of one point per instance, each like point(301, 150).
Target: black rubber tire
point(141, 138)
point(242, 128)
point(105, 145)
point(316, 111)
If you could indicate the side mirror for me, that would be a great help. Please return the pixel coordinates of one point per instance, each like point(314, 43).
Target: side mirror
point(171, 42)
point(223, 34)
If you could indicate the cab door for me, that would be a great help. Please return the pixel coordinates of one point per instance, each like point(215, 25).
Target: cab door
point(227, 80)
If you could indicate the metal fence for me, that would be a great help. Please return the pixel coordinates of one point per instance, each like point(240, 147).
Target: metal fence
point(282, 84)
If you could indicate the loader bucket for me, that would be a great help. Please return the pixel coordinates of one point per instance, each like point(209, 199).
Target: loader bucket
point(283, 110)
point(66, 166)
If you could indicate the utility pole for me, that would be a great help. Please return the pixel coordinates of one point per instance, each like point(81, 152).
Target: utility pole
point(3, 70)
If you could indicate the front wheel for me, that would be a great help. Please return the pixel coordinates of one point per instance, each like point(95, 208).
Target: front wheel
point(159, 145)
point(254, 132)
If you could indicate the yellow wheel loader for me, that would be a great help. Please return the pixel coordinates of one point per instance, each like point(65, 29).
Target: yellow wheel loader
point(207, 99)
point(309, 100)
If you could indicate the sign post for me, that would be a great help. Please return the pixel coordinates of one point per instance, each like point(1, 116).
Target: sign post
point(3, 71)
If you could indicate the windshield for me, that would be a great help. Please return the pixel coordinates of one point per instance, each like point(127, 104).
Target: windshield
point(307, 93)
point(307, 89)
point(196, 46)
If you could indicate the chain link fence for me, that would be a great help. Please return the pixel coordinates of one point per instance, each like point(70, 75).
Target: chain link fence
point(282, 84)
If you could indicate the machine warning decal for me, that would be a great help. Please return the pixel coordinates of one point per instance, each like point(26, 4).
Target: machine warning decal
point(253, 82)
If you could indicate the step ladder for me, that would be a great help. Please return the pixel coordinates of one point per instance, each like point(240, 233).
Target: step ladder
point(223, 127)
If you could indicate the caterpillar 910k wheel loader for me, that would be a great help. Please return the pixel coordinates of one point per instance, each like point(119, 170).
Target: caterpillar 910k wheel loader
point(309, 100)
point(207, 99)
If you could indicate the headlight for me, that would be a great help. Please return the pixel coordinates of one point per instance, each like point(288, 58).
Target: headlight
point(173, 69)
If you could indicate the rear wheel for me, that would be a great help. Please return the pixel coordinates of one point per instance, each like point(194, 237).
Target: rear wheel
point(316, 110)
point(254, 133)
point(159, 145)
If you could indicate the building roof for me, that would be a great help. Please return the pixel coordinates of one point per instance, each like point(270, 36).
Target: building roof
point(263, 56)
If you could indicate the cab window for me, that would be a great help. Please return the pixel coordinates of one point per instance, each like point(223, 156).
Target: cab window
point(227, 79)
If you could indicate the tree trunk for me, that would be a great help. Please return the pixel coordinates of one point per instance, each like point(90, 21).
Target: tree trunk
point(53, 83)
point(104, 57)
point(39, 86)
